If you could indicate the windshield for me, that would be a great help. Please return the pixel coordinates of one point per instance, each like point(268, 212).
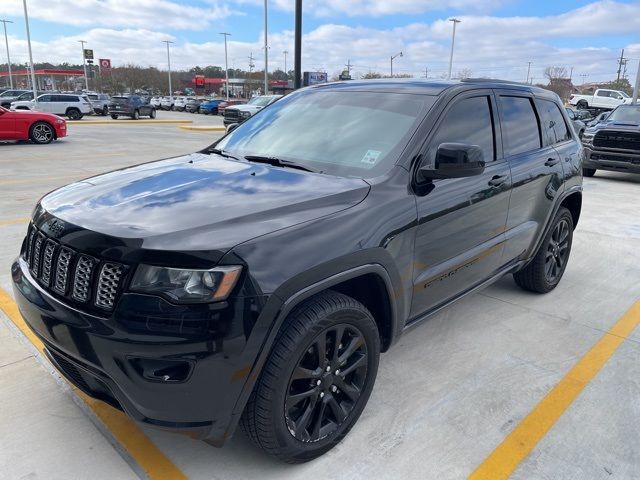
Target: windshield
point(625, 95)
point(260, 101)
point(626, 114)
point(337, 132)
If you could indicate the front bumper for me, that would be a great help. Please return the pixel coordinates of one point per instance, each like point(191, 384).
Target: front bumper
point(617, 161)
point(115, 359)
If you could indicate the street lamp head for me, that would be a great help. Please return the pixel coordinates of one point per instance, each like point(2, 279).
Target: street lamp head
point(455, 20)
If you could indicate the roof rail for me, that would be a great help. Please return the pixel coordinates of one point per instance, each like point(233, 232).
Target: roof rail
point(494, 80)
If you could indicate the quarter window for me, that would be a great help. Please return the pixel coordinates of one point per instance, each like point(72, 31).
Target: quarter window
point(469, 121)
point(519, 125)
point(553, 122)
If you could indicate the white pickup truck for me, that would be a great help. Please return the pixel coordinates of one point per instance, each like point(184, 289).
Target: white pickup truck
point(602, 99)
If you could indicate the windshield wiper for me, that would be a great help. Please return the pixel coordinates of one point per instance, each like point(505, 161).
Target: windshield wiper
point(222, 153)
point(278, 162)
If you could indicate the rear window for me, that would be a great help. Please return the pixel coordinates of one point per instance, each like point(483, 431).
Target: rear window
point(519, 125)
point(554, 126)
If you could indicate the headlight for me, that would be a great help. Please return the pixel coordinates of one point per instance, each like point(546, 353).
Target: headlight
point(186, 286)
point(245, 114)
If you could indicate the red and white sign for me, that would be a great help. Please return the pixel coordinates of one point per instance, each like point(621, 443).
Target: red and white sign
point(105, 63)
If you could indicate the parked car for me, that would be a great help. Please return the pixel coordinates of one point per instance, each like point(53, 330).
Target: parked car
point(210, 107)
point(72, 106)
point(578, 125)
point(240, 113)
point(100, 102)
point(258, 280)
point(614, 143)
point(21, 98)
point(602, 99)
point(9, 96)
point(193, 105)
point(155, 102)
point(228, 103)
point(131, 106)
point(38, 127)
point(167, 103)
point(600, 118)
point(180, 103)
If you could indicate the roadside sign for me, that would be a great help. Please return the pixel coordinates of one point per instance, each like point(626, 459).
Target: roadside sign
point(105, 63)
point(88, 54)
point(314, 78)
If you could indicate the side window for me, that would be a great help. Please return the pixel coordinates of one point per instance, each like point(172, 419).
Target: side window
point(603, 93)
point(559, 124)
point(469, 121)
point(45, 98)
point(519, 125)
point(554, 127)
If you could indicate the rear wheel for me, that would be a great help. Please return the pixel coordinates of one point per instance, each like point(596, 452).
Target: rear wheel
point(545, 271)
point(41, 133)
point(114, 116)
point(582, 105)
point(105, 111)
point(317, 379)
point(588, 172)
point(74, 114)
point(152, 114)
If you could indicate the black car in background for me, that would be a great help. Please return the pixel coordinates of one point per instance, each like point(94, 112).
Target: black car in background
point(192, 105)
point(258, 280)
point(9, 96)
point(614, 142)
point(132, 106)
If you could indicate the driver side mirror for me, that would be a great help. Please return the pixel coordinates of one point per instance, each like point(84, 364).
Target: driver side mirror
point(232, 127)
point(454, 160)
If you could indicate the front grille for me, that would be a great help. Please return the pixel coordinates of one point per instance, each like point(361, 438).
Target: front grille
point(231, 114)
point(80, 278)
point(617, 139)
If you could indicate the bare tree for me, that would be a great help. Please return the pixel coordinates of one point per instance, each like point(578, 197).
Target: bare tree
point(464, 73)
point(555, 73)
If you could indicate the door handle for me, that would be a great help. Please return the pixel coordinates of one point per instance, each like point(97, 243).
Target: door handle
point(551, 162)
point(497, 180)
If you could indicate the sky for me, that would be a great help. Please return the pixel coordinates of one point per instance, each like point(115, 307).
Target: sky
point(496, 38)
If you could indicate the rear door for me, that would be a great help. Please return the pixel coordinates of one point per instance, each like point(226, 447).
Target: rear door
point(536, 169)
point(461, 221)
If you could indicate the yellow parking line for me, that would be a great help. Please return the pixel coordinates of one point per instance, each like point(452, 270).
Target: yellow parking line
point(126, 122)
point(521, 441)
point(137, 445)
point(202, 128)
point(14, 221)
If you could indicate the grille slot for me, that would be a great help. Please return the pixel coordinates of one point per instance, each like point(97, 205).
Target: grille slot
point(82, 278)
point(76, 276)
point(108, 284)
point(617, 139)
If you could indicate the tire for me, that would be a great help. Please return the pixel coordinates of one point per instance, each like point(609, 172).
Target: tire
point(105, 111)
point(41, 133)
point(582, 105)
point(546, 269)
point(588, 172)
point(136, 115)
point(114, 116)
point(321, 392)
point(580, 134)
point(152, 114)
point(74, 114)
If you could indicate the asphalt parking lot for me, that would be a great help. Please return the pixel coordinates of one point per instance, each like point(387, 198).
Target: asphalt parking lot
point(504, 381)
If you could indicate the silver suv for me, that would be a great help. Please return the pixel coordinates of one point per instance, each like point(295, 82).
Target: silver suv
point(71, 105)
point(100, 102)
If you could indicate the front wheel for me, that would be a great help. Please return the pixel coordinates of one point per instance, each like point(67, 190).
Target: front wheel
point(546, 269)
point(152, 114)
point(317, 380)
point(136, 115)
point(41, 133)
point(105, 111)
point(582, 105)
point(114, 116)
point(74, 114)
point(588, 172)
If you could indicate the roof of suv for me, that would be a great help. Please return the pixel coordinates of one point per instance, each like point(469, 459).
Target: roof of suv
point(431, 87)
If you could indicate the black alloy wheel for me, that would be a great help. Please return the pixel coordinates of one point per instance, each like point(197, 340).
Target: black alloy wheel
point(326, 383)
point(74, 114)
point(557, 251)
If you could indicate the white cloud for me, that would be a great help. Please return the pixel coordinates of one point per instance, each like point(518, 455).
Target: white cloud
point(120, 13)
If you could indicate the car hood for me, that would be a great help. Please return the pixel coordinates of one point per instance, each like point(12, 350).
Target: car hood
point(613, 125)
point(200, 201)
point(29, 114)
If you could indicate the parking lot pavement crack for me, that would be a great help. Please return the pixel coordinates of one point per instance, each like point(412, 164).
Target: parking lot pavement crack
point(16, 361)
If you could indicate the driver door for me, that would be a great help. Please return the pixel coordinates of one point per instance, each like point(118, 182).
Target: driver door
point(7, 125)
point(461, 221)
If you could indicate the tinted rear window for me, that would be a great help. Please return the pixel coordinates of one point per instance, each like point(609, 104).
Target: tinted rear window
point(553, 123)
point(519, 125)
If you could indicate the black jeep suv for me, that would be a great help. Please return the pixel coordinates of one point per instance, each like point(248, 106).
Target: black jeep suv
point(133, 106)
point(257, 281)
point(614, 143)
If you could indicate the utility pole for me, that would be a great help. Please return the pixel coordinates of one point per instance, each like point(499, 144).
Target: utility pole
point(6, 41)
point(584, 78)
point(297, 81)
point(453, 41)
point(169, 68)
point(392, 57)
point(266, 49)
point(34, 87)
point(348, 65)
point(426, 72)
point(84, 65)
point(528, 71)
point(620, 65)
point(226, 64)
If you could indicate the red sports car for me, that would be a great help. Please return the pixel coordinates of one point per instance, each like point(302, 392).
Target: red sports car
point(38, 127)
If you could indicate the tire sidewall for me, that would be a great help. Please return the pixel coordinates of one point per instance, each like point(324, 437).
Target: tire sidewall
point(31, 137)
point(286, 441)
point(563, 214)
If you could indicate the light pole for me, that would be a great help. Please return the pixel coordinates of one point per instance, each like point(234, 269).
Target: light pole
point(266, 49)
point(453, 41)
point(169, 67)
point(297, 54)
point(285, 61)
point(528, 71)
point(6, 41)
point(84, 65)
point(392, 57)
point(33, 72)
point(637, 87)
point(226, 64)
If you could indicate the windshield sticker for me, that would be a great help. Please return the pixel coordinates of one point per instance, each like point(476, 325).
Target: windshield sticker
point(371, 157)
